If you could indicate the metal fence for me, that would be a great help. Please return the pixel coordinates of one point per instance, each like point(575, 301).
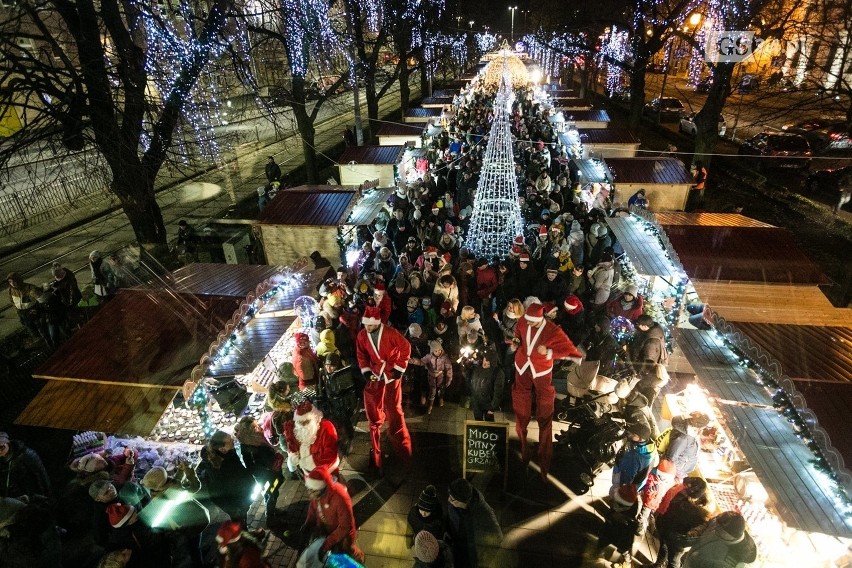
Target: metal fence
point(29, 205)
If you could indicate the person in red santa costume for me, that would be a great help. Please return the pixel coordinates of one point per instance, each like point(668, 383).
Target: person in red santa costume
point(383, 355)
point(540, 342)
point(311, 441)
point(305, 361)
point(383, 302)
point(330, 516)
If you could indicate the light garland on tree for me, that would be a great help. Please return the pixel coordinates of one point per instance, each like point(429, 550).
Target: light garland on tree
point(496, 217)
point(615, 49)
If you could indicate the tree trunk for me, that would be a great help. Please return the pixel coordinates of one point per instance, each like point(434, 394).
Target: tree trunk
point(637, 95)
point(404, 87)
point(308, 133)
point(136, 193)
point(707, 119)
point(372, 102)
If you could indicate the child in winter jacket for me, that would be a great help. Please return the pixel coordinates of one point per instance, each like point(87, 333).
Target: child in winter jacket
point(439, 369)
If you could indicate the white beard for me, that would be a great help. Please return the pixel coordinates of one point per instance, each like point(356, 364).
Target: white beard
point(306, 435)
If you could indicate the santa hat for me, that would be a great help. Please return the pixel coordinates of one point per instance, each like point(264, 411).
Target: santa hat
point(515, 250)
point(547, 307)
point(119, 513)
point(229, 533)
point(666, 469)
point(573, 305)
point(380, 287)
point(524, 257)
point(299, 337)
point(535, 313)
point(372, 316)
point(305, 408)
point(625, 496)
point(430, 252)
point(542, 230)
point(317, 479)
point(519, 240)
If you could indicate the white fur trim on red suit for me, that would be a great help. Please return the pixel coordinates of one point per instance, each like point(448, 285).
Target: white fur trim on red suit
point(370, 321)
point(533, 318)
point(314, 484)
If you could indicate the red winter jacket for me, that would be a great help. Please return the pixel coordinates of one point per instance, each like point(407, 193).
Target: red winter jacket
point(486, 282)
point(332, 515)
point(323, 452)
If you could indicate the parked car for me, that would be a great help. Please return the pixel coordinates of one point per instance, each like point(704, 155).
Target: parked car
point(823, 133)
point(807, 125)
point(687, 124)
point(748, 84)
point(669, 109)
point(828, 180)
point(703, 85)
point(778, 150)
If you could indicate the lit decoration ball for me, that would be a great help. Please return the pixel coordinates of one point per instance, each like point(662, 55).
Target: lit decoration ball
point(307, 309)
point(494, 70)
point(622, 329)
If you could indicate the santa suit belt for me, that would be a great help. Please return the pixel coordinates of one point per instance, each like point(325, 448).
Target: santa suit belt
point(535, 373)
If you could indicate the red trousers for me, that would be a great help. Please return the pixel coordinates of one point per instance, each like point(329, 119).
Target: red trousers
point(545, 396)
point(384, 401)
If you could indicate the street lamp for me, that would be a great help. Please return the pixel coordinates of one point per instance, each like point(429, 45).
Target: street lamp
point(470, 23)
point(512, 33)
point(458, 21)
point(695, 19)
point(525, 13)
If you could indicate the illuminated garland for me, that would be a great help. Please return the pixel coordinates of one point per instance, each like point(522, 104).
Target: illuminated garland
point(615, 49)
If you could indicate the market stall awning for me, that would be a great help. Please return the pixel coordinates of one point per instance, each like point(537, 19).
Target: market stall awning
point(666, 171)
point(434, 101)
point(394, 129)
point(586, 116)
point(97, 407)
point(316, 206)
point(384, 155)
point(264, 330)
point(425, 113)
point(571, 103)
point(215, 279)
point(751, 254)
point(642, 246)
point(141, 338)
point(669, 218)
point(781, 461)
point(606, 136)
point(593, 171)
point(830, 402)
point(768, 302)
point(368, 208)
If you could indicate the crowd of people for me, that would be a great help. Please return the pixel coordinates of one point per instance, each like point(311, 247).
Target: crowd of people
point(423, 321)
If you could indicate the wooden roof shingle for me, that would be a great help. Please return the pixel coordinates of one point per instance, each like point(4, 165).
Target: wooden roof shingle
point(420, 112)
point(669, 218)
point(394, 129)
point(586, 116)
point(607, 136)
point(318, 208)
point(214, 279)
point(668, 171)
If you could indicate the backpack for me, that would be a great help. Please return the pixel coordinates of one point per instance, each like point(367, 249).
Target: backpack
point(662, 441)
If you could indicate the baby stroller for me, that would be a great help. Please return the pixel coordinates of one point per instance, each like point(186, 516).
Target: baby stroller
point(339, 398)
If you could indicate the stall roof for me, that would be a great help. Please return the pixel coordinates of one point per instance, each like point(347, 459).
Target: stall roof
point(419, 112)
point(749, 254)
point(820, 353)
point(264, 330)
point(141, 338)
point(669, 218)
point(830, 402)
point(669, 171)
point(97, 407)
point(435, 100)
point(394, 129)
point(767, 302)
point(321, 206)
point(372, 155)
point(593, 171)
point(642, 247)
point(586, 116)
point(213, 279)
point(367, 209)
point(781, 461)
point(607, 136)
point(568, 102)
point(444, 93)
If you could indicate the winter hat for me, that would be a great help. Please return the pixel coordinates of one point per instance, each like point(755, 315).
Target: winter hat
point(625, 496)
point(9, 508)
point(461, 490)
point(333, 359)
point(119, 514)
point(696, 487)
point(412, 302)
point(524, 257)
point(299, 337)
point(633, 290)
point(372, 316)
point(542, 230)
point(4, 438)
point(430, 252)
point(306, 409)
point(91, 463)
point(447, 306)
point(57, 270)
point(428, 500)
point(573, 305)
point(229, 533)
point(534, 313)
point(435, 345)
point(639, 429)
point(317, 479)
point(730, 526)
point(155, 479)
point(552, 265)
point(449, 229)
point(426, 548)
point(519, 240)
point(414, 330)
point(380, 287)
point(598, 230)
point(666, 469)
point(100, 487)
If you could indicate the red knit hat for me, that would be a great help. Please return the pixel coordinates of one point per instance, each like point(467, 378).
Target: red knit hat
point(573, 305)
point(317, 479)
point(535, 313)
point(301, 337)
point(229, 533)
point(119, 513)
point(380, 287)
point(372, 315)
point(626, 496)
point(430, 252)
point(449, 229)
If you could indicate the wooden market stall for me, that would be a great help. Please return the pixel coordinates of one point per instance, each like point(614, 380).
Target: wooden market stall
point(392, 134)
point(436, 101)
point(568, 103)
point(666, 181)
point(587, 118)
point(422, 115)
point(600, 143)
point(360, 163)
point(124, 367)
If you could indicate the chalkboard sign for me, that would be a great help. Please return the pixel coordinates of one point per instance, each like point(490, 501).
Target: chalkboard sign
point(486, 447)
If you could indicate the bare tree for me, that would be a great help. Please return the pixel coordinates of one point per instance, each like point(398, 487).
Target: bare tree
point(88, 80)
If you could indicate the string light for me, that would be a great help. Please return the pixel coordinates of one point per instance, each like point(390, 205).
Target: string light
point(615, 49)
point(496, 217)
